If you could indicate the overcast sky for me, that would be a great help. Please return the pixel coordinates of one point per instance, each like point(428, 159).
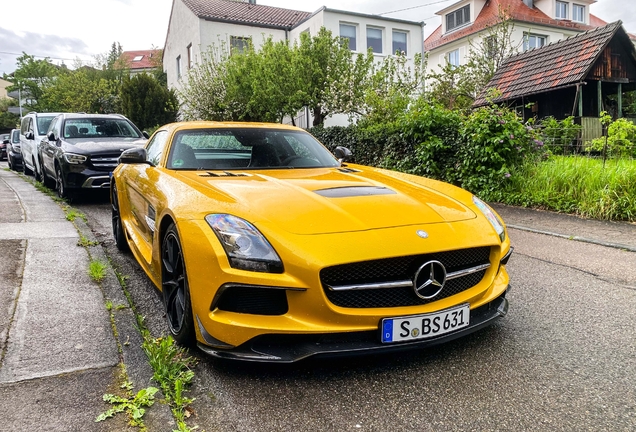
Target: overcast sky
point(67, 30)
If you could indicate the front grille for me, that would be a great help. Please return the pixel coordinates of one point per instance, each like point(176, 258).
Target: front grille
point(253, 300)
point(107, 162)
point(400, 269)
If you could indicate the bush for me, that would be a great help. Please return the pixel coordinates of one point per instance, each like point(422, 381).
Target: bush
point(621, 139)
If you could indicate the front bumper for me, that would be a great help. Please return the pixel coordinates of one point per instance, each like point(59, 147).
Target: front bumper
point(278, 348)
point(85, 178)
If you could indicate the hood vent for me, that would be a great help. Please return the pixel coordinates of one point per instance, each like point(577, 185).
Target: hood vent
point(354, 191)
point(223, 174)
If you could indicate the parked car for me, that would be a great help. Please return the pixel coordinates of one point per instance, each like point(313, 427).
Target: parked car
point(32, 130)
point(14, 152)
point(80, 151)
point(4, 140)
point(268, 248)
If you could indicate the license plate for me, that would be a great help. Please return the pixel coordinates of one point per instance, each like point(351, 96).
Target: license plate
point(425, 326)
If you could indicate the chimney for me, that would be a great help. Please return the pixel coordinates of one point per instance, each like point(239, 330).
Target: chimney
point(529, 3)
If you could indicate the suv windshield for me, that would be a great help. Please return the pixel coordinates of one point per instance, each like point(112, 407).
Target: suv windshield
point(99, 128)
point(43, 124)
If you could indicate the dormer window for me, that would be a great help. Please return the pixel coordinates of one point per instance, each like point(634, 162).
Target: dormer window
point(561, 10)
point(578, 13)
point(458, 18)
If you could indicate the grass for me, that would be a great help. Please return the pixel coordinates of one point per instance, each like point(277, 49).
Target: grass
point(577, 185)
point(85, 242)
point(97, 270)
point(72, 214)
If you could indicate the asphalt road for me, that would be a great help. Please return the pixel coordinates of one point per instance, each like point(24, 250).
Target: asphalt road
point(563, 359)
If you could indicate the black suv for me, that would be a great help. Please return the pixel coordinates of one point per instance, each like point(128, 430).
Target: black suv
point(80, 151)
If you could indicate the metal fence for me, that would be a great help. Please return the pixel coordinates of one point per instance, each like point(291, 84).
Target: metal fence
point(590, 140)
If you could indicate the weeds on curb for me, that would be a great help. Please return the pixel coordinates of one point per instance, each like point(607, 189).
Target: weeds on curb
point(85, 242)
point(72, 214)
point(97, 270)
point(171, 365)
point(132, 405)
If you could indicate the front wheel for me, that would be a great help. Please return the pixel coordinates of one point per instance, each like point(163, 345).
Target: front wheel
point(60, 188)
point(176, 293)
point(118, 229)
point(36, 172)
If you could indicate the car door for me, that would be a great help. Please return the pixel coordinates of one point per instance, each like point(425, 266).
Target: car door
point(143, 195)
point(49, 147)
point(26, 140)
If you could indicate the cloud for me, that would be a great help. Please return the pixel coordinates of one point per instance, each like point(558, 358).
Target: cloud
point(59, 49)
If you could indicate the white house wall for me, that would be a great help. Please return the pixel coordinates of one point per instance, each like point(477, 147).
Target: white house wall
point(437, 56)
point(183, 30)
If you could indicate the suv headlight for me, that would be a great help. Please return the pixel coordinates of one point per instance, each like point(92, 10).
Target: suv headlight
point(492, 217)
point(74, 159)
point(245, 246)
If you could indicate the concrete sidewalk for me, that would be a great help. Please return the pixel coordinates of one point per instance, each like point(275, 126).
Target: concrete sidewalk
point(620, 235)
point(58, 351)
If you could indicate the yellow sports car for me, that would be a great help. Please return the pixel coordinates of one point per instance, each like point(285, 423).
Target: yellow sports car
point(269, 248)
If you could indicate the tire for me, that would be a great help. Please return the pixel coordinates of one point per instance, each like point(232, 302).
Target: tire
point(25, 169)
point(118, 229)
point(176, 293)
point(11, 167)
point(60, 187)
point(36, 173)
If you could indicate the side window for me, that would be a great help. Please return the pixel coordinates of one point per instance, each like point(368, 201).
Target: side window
point(52, 127)
point(156, 146)
point(26, 125)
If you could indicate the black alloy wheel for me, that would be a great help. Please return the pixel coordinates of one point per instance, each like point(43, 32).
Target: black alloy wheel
point(176, 293)
point(60, 188)
point(118, 229)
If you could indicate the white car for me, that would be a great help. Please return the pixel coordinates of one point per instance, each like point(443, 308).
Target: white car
point(32, 130)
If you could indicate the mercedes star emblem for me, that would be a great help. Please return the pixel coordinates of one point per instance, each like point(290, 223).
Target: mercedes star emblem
point(429, 280)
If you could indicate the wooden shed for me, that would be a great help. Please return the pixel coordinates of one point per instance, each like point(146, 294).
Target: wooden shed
point(579, 76)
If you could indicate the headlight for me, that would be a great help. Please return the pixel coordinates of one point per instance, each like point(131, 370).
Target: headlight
point(245, 246)
point(74, 158)
point(496, 223)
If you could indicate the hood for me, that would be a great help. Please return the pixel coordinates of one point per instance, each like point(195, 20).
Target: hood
point(320, 201)
point(102, 145)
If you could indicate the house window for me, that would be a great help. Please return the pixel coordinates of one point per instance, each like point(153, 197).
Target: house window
point(453, 58)
point(458, 18)
point(239, 44)
point(137, 58)
point(399, 42)
point(578, 13)
point(531, 40)
point(561, 10)
point(178, 67)
point(348, 31)
point(190, 56)
point(374, 39)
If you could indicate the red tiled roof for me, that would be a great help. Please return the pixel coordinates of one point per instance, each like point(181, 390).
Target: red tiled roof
point(558, 64)
point(245, 13)
point(517, 10)
point(148, 59)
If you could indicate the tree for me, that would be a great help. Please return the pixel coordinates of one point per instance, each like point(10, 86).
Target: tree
point(81, 90)
point(32, 77)
point(456, 87)
point(7, 119)
point(146, 102)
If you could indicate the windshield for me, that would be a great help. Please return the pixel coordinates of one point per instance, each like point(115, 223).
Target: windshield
point(99, 128)
point(43, 124)
point(247, 148)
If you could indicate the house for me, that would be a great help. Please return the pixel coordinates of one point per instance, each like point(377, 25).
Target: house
point(196, 26)
point(3, 88)
point(536, 23)
point(140, 61)
point(579, 76)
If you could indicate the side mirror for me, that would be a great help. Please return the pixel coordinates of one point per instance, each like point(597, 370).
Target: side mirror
point(51, 136)
point(5, 141)
point(343, 154)
point(136, 155)
point(29, 135)
point(145, 134)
